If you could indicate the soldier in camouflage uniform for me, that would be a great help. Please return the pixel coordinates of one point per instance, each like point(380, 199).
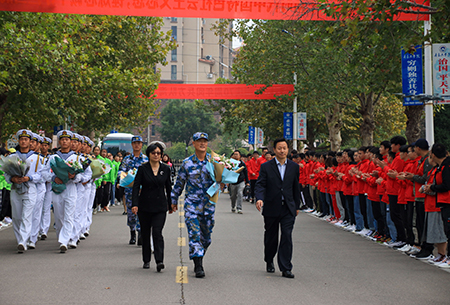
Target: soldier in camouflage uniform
point(199, 211)
point(136, 159)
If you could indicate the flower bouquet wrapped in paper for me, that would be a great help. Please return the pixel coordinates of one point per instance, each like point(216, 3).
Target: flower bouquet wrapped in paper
point(99, 168)
point(62, 169)
point(127, 178)
point(222, 170)
point(15, 166)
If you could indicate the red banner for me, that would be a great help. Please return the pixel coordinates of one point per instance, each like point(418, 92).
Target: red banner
point(228, 9)
point(220, 91)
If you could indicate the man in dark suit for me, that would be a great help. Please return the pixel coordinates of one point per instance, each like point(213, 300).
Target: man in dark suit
point(278, 195)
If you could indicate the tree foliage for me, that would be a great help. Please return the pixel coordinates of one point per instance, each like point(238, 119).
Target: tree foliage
point(92, 70)
point(181, 119)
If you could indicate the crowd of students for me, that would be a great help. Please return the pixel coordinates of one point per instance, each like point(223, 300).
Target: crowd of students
point(395, 194)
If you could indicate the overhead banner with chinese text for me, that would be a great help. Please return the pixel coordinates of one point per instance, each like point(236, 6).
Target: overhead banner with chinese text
point(228, 9)
point(220, 91)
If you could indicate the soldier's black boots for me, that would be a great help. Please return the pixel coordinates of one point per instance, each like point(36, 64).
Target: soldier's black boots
point(198, 267)
point(133, 237)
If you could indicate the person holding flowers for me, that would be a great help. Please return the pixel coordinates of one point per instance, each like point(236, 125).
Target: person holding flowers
point(64, 188)
point(23, 191)
point(199, 210)
point(132, 162)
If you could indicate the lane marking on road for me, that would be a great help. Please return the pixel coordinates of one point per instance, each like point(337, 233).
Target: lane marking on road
point(181, 276)
point(181, 241)
point(181, 225)
point(181, 213)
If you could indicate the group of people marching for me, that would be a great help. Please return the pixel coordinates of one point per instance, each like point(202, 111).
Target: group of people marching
point(31, 205)
point(395, 194)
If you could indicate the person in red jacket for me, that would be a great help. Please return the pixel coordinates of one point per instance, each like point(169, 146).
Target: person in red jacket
point(437, 204)
point(408, 186)
point(392, 188)
point(253, 173)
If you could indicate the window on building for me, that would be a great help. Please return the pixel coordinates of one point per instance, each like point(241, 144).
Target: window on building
point(173, 72)
point(153, 130)
point(174, 19)
point(174, 32)
point(174, 54)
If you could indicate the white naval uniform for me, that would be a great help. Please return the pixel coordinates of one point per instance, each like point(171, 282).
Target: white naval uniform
point(22, 205)
point(46, 216)
point(64, 204)
point(37, 211)
point(79, 219)
point(90, 204)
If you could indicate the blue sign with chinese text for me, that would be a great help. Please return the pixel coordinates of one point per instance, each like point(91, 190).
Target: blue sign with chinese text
point(251, 135)
point(288, 123)
point(412, 76)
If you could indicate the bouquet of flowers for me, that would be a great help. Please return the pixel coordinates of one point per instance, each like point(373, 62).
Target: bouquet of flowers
point(99, 168)
point(62, 169)
point(127, 178)
point(222, 170)
point(15, 166)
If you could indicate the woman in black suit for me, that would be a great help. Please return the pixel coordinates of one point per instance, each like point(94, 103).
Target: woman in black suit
point(151, 203)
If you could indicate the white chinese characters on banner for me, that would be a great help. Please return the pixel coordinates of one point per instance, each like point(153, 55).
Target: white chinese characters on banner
point(441, 62)
point(302, 126)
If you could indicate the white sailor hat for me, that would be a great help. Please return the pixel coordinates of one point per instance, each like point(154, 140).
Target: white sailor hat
point(79, 137)
point(24, 133)
point(64, 134)
point(47, 141)
point(34, 137)
point(40, 138)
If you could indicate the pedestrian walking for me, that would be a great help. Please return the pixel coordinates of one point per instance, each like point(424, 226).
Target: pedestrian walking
point(278, 196)
point(199, 210)
point(152, 202)
point(237, 189)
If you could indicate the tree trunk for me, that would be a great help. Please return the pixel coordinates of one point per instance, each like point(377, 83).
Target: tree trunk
point(334, 122)
point(311, 127)
point(414, 115)
point(3, 110)
point(367, 102)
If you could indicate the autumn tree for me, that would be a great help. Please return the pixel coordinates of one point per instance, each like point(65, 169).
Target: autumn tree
point(95, 70)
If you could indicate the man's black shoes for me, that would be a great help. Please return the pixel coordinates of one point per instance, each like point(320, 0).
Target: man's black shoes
point(288, 274)
point(159, 266)
point(146, 266)
point(270, 267)
point(198, 267)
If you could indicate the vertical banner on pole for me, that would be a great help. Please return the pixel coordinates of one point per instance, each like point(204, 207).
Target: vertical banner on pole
point(302, 126)
point(288, 125)
point(441, 75)
point(251, 135)
point(412, 76)
point(260, 136)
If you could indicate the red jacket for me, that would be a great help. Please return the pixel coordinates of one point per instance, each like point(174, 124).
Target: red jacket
point(430, 200)
point(392, 184)
point(372, 186)
point(252, 168)
point(408, 185)
point(348, 181)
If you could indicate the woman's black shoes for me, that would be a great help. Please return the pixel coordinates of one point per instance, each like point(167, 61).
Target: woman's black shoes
point(146, 266)
point(159, 267)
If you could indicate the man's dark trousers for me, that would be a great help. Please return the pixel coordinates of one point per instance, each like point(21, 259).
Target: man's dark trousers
point(272, 225)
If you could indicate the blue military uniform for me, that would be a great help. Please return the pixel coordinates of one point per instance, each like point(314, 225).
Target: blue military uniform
point(128, 163)
point(199, 211)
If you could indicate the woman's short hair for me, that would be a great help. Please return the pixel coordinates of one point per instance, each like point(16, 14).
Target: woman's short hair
point(152, 147)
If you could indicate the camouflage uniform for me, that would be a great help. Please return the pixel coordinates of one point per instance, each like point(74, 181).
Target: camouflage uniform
point(199, 211)
point(130, 162)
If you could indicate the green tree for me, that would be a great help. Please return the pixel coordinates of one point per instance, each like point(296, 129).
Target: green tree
point(94, 70)
point(181, 119)
point(178, 151)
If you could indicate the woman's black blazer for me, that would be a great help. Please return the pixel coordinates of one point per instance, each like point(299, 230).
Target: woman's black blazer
point(154, 197)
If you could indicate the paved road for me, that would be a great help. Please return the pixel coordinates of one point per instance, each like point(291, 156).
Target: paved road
point(331, 267)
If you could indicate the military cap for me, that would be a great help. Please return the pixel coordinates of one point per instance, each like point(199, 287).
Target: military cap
point(24, 133)
point(136, 139)
point(64, 134)
point(200, 135)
